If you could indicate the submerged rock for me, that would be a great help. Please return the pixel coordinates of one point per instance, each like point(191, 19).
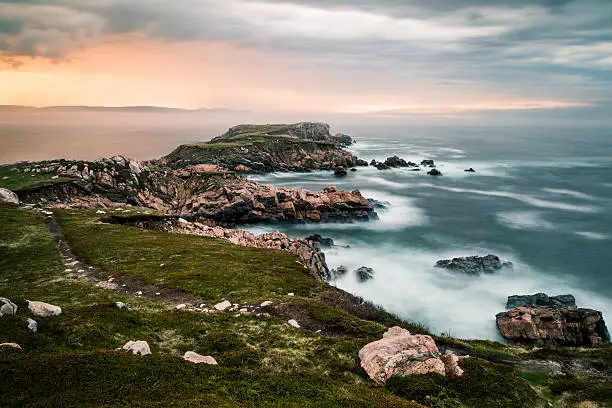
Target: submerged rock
point(7, 196)
point(401, 353)
point(434, 172)
point(428, 163)
point(364, 274)
point(470, 170)
point(396, 161)
point(340, 171)
point(361, 163)
point(473, 265)
point(554, 326)
point(323, 242)
point(540, 299)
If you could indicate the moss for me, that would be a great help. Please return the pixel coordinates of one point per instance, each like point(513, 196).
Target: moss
point(13, 178)
point(484, 384)
point(584, 389)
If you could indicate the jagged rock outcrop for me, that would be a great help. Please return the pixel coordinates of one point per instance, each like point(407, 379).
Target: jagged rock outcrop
point(554, 326)
point(473, 265)
point(307, 251)
point(434, 172)
point(401, 353)
point(540, 299)
point(267, 148)
point(323, 242)
point(364, 274)
point(208, 192)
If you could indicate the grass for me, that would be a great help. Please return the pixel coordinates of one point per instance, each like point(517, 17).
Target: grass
point(263, 362)
point(17, 181)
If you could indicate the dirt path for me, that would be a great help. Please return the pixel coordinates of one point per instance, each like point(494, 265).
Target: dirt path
point(121, 283)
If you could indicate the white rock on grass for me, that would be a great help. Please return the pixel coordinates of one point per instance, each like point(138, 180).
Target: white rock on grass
point(294, 323)
point(223, 305)
point(7, 307)
point(137, 347)
point(7, 196)
point(266, 303)
point(195, 358)
point(43, 309)
point(181, 306)
point(11, 345)
point(119, 305)
point(32, 325)
point(290, 294)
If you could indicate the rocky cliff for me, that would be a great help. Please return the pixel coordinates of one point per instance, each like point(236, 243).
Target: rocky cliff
point(268, 148)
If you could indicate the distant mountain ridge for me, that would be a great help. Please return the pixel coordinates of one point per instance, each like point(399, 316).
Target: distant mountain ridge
point(132, 109)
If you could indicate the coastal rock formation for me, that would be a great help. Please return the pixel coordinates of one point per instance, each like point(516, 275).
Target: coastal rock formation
point(267, 148)
point(307, 251)
point(7, 196)
point(196, 191)
point(434, 172)
point(540, 299)
point(553, 326)
point(338, 272)
point(323, 242)
point(340, 172)
point(364, 274)
point(401, 353)
point(473, 265)
point(428, 163)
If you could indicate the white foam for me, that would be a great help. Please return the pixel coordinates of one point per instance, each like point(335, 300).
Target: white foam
point(595, 236)
point(571, 193)
point(527, 199)
point(406, 282)
point(527, 220)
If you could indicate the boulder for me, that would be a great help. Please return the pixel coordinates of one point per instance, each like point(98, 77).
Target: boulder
point(119, 305)
point(382, 166)
point(361, 163)
point(266, 303)
point(540, 299)
point(428, 163)
point(294, 323)
point(401, 353)
point(340, 171)
point(7, 196)
point(137, 347)
point(7, 307)
point(222, 305)
point(10, 345)
point(364, 274)
point(434, 172)
point(323, 242)
point(373, 162)
point(32, 325)
point(473, 265)
point(195, 358)
point(554, 326)
point(338, 272)
point(43, 309)
point(396, 161)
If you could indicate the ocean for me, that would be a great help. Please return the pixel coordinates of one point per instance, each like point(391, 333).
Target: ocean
point(541, 197)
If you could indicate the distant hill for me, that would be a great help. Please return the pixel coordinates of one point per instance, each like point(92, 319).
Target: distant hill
point(127, 109)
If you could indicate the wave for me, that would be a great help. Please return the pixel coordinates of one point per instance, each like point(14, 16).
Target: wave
point(407, 283)
point(571, 193)
point(595, 236)
point(527, 220)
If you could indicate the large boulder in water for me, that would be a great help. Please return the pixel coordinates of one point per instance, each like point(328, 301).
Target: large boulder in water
point(434, 172)
point(323, 242)
point(429, 163)
point(340, 171)
point(473, 265)
point(553, 326)
point(540, 299)
point(364, 274)
point(401, 353)
point(7, 196)
point(396, 161)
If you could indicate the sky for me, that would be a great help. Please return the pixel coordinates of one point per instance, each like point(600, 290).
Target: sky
point(381, 58)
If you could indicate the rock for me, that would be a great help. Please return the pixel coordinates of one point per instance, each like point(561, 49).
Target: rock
point(401, 353)
point(340, 172)
point(119, 305)
point(137, 347)
point(43, 309)
point(382, 166)
point(7, 196)
point(554, 326)
point(373, 162)
point(473, 265)
point(291, 294)
point(7, 307)
point(470, 170)
point(323, 242)
point(32, 325)
point(361, 163)
point(364, 274)
point(293, 323)
point(181, 306)
point(222, 305)
point(266, 303)
point(379, 204)
point(434, 172)
point(540, 299)
point(338, 272)
point(195, 358)
point(10, 345)
point(353, 169)
point(396, 161)
point(428, 163)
